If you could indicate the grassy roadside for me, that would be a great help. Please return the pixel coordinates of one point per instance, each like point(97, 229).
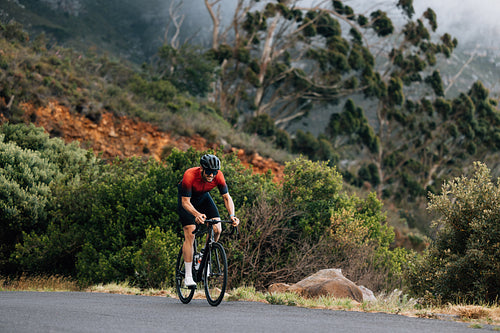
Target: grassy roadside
point(396, 302)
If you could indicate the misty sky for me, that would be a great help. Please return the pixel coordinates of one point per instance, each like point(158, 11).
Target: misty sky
point(471, 21)
point(468, 20)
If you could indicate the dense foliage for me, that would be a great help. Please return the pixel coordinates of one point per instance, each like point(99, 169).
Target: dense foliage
point(31, 165)
point(463, 264)
point(66, 212)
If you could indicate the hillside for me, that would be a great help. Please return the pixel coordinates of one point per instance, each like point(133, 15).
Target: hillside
point(123, 109)
point(123, 137)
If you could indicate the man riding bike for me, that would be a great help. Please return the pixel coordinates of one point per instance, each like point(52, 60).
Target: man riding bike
point(195, 204)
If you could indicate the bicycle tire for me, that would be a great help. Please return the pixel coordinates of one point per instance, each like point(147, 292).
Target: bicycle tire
point(216, 280)
point(185, 294)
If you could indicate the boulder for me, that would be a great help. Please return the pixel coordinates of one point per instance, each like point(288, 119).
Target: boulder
point(326, 282)
point(368, 295)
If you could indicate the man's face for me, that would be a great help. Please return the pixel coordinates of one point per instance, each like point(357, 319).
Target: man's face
point(208, 175)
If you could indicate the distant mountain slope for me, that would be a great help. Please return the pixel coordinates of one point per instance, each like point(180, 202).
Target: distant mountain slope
point(117, 27)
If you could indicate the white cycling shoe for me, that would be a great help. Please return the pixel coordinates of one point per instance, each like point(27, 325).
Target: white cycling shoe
point(189, 282)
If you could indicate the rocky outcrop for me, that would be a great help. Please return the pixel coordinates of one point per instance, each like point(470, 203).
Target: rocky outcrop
point(326, 282)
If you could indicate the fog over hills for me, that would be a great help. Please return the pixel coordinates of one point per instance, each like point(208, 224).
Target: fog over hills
point(136, 28)
point(474, 22)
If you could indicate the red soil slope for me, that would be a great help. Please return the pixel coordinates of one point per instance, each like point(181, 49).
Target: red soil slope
point(126, 137)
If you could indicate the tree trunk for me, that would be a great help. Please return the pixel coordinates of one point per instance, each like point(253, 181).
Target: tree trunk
point(266, 58)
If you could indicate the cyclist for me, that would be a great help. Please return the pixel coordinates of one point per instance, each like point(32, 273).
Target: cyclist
point(195, 204)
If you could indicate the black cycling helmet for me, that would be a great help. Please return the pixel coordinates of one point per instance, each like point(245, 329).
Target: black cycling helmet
point(210, 162)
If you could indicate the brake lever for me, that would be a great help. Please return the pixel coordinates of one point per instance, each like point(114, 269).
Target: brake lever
point(197, 230)
point(234, 230)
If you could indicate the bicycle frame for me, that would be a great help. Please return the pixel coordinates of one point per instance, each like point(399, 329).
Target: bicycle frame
point(208, 245)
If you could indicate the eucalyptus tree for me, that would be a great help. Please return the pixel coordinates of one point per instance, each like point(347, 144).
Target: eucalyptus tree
point(286, 59)
point(416, 137)
point(282, 59)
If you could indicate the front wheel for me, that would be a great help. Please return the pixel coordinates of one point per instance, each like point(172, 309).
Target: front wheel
point(185, 294)
point(215, 275)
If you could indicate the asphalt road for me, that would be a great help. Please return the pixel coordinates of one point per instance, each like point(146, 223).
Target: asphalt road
point(95, 312)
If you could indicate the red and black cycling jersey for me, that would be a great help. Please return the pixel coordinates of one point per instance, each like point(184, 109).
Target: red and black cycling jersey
point(193, 184)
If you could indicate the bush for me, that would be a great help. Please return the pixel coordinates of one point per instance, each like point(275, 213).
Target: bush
point(24, 194)
point(155, 261)
point(463, 263)
point(161, 91)
point(118, 222)
point(130, 197)
point(305, 143)
point(308, 225)
point(282, 140)
point(262, 125)
point(31, 166)
point(313, 188)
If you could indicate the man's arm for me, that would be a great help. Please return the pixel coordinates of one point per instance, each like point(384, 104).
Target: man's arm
point(228, 202)
point(186, 204)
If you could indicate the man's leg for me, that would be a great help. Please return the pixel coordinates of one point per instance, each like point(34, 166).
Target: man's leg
point(217, 229)
point(187, 253)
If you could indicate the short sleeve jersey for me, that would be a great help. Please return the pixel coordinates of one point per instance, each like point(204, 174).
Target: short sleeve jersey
point(193, 184)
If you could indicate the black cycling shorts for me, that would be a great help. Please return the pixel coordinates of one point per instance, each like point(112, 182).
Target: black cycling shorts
point(204, 204)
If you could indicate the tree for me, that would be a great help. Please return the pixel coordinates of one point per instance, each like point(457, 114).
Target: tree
point(422, 141)
point(412, 137)
point(184, 65)
point(282, 59)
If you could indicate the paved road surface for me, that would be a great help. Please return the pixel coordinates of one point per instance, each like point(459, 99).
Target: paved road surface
point(95, 312)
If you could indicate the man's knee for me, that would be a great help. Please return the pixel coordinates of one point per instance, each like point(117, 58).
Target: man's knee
point(188, 232)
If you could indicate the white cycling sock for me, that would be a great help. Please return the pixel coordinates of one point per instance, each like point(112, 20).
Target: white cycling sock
point(189, 267)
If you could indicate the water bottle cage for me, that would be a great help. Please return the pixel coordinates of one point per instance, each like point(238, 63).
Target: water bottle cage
point(197, 261)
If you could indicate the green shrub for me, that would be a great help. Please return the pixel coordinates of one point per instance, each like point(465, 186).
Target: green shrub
point(14, 32)
point(130, 197)
point(304, 143)
point(463, 263)
point(161, 91)
point(313, 188)
point(24, 194)
point(155, 261)
point(31, 166)
point(316, 149)
point(282, 140)
point(118, 222)
point(262, 125)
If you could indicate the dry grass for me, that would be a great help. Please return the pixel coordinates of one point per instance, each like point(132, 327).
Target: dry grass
point(475, 314)
point(395, 302)
point(39, 283)
point(115, 288)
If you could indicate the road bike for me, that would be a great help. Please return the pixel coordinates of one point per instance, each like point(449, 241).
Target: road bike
point(209, 266)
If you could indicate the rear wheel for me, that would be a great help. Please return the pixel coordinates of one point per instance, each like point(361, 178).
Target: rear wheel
point(216, 275)
point(185, 294)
